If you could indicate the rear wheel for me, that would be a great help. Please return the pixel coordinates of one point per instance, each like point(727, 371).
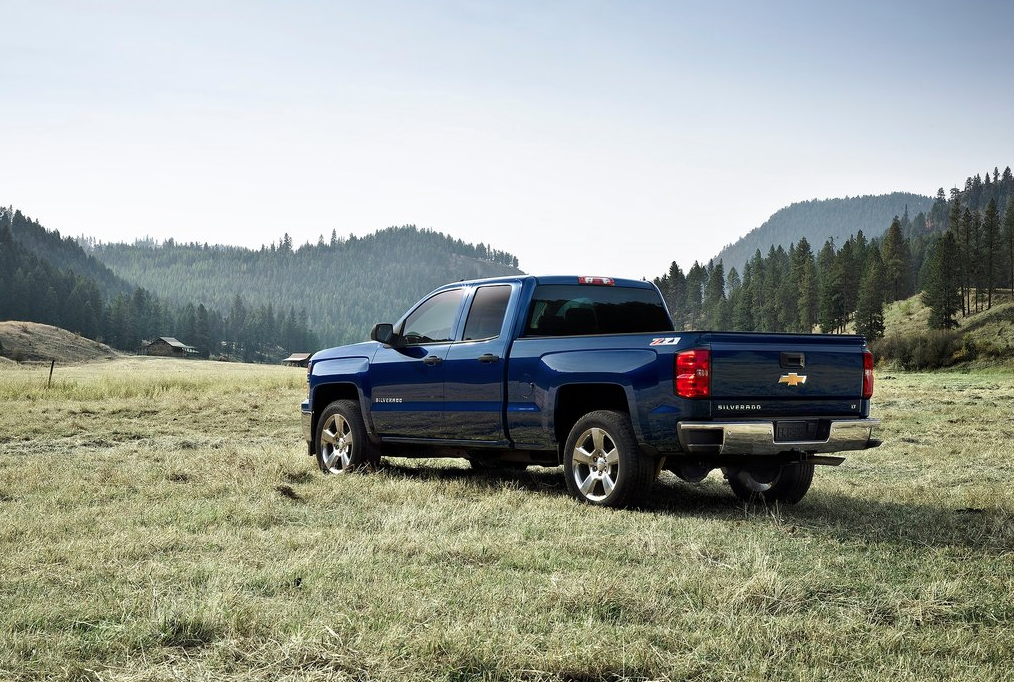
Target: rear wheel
point(342, 444)
point(787, 483)
point(602, 462)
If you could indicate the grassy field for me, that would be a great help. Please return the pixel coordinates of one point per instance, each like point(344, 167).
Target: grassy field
point(160, 520)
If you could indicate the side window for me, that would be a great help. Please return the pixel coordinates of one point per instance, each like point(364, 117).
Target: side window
point(489, 305)
point(434, 319)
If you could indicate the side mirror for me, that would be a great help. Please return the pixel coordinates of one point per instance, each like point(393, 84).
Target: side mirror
point(384, 333)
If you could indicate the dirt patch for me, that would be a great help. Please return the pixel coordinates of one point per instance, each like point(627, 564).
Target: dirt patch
point(30, 341)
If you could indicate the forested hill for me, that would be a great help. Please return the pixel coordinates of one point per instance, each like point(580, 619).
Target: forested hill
point(61, 251)
point(345, 284)
point(818, 220)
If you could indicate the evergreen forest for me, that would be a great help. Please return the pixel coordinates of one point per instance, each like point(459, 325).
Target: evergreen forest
point(344, 284)
point(227, 302)
point(959, 253)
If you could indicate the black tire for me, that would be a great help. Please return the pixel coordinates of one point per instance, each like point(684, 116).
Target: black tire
point(787, 484)
point(342, 443)
point(602, 462)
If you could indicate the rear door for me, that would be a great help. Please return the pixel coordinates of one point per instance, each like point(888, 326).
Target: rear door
point(475, 369)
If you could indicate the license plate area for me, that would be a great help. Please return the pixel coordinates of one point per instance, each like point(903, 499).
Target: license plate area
point(796, 431)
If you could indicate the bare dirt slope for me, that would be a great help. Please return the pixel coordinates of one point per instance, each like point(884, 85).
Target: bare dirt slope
point(23, 341)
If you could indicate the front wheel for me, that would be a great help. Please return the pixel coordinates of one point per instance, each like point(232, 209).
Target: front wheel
point(342, 444)
point(602, 462)
point(788, 483)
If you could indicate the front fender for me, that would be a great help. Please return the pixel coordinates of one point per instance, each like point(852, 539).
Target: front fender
point(328, 374)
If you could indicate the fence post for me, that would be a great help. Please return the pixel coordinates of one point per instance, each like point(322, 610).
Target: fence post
point(52, 363)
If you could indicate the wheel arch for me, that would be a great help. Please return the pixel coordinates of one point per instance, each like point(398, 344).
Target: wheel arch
point(325, 394)
point(573, 401)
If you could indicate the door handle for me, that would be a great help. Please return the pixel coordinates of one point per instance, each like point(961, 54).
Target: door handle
point(488, 358)
point(432, 360)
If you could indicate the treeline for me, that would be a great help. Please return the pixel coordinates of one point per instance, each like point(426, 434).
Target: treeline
point(821, 219)
point(35, 290)
point(346, 284)
point(959, 254)
point(794, 290)
point(252, 334)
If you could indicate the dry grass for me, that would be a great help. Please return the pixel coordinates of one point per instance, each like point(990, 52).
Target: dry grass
point(30, 341)
point(159, 520)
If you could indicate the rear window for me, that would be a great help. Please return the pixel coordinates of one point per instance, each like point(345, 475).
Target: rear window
point(578, 310)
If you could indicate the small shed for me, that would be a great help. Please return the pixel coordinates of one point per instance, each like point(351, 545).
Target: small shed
point(297, 360)
point(168, 346)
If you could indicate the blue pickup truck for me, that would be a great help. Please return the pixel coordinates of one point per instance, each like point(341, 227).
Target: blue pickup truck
point(589, 373)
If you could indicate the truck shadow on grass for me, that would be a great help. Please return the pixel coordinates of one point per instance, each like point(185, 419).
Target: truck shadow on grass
point(845, 518)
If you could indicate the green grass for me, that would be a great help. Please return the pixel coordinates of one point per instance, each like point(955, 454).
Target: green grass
point(160, 520)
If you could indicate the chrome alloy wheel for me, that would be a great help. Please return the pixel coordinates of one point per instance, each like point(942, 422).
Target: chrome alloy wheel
point(336, 443)
point(596, 461)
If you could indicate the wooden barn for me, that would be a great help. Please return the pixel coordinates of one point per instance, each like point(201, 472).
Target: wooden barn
point(297, 360)
point(167, 346)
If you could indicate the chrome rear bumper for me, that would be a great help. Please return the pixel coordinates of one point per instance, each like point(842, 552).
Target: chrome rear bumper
point(758, 438)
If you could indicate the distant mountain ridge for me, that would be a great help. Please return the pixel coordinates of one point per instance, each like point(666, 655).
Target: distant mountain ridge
point(821, 219)
point(63, 252)
point(344, 285)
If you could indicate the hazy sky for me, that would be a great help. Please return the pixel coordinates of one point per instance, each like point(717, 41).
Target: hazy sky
point(585, 137)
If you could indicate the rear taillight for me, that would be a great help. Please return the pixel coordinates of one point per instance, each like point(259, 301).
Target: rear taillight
point(601, 281)
point(693, 373)
point(867, 374)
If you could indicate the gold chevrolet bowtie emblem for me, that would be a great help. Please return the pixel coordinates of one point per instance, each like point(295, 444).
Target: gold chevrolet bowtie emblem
point(792, 379)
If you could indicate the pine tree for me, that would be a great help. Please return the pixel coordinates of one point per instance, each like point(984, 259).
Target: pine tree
point(804, 278)
point(742, 300)
point(938, 218)
point(673, 286)
point(957, 228)
point(715, 312)
point(1008, 236)
point(202, 338)
point(831, 304)
point(974, 227)
point(757, 299)
point(991, 240)
point(894, 252)
point(870, 308)
point(769, 313)
point(943, 294)
point(693, 303)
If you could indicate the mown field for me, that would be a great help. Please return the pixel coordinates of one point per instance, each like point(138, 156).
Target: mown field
point(159, 520)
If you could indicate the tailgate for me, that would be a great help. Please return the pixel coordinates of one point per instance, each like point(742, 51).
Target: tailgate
point(786, 374)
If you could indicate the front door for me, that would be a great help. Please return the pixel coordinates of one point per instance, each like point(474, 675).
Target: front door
point(407, 382)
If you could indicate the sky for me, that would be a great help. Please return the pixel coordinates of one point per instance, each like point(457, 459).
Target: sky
point(584, 136)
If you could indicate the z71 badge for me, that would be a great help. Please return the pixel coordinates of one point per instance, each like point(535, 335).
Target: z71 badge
point(665, 341)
